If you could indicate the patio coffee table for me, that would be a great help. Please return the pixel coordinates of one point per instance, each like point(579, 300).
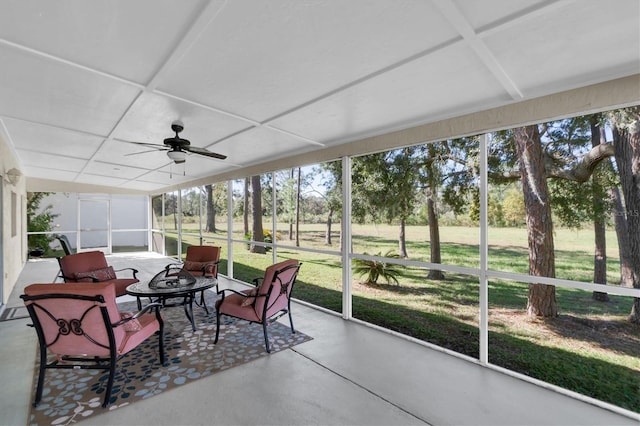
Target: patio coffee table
point(163, 287)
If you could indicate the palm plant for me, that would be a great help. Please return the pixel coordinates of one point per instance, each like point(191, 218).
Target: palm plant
point(39, 220)
point(375, 269)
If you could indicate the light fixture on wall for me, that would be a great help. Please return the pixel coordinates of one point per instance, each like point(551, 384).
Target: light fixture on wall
point(13, 176)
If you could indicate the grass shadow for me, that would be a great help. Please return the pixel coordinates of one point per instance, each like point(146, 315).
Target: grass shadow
point(617, 335)
point(564, 368)
point(370, 239)
point(567, 369)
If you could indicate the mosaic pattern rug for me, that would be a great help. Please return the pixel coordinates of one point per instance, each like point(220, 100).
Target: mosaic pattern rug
point(72, 395)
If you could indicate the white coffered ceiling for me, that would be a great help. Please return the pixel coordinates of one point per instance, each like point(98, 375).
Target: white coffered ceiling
point(259, 80)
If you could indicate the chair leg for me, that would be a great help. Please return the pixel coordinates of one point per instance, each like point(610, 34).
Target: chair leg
point(202, 304)
point(217, 326)
point(112, 373)
point(266, 336)
point(188, 309)
point(43, 365)
point(160, 337)
point(293, 331)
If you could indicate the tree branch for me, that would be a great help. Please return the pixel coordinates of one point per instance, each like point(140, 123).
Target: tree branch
point(583, 170)
point(580, 172)
point(506, 176)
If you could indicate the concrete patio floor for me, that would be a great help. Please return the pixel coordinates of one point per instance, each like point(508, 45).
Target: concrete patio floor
point(349, 374)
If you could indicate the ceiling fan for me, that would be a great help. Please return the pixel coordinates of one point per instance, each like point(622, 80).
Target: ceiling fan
point(177, 148)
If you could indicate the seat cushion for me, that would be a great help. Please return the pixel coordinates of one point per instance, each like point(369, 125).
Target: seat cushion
point(277, 301)
point(248, 301)
point(208, 268)
point(132, 325)
point(121, 285)
point(203, 253)
point(82, 262)
point(102, 274)
point(232, 305)
point(148, 326)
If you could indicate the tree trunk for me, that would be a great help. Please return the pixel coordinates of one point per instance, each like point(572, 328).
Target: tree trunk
point(402, 240)
point(175, 218)
point(256, 204)
point(620, 222)
point(211, 212)
point(245, 212)
point(599, 195)
point(600, 259)
point(327, 235)
point(627, 155)
point(542, 298)
point(434, 237)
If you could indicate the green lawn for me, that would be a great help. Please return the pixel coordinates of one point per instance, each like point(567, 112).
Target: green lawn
point(590, 348)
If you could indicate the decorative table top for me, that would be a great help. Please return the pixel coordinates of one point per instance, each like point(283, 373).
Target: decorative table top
point(171, 282)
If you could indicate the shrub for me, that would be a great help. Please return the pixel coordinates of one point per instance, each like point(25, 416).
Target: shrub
point(375, 269)
point(266, 235)
point(39, 222)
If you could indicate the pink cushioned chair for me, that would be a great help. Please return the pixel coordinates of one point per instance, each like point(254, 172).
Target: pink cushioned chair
point(264, 304)
point(80, 324)
point(202, 261)
point(91, 266)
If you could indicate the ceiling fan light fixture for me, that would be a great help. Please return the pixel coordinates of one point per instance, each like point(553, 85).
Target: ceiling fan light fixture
point(177, 156)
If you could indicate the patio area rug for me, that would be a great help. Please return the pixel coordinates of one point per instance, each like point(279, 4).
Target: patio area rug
point(72, 395)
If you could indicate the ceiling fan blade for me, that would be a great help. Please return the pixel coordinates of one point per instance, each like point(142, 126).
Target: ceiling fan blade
point(150, 145)
point(205, 152)
point(142, 152)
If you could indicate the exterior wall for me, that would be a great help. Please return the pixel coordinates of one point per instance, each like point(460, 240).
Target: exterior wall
point(128, 212)
point(13, 236)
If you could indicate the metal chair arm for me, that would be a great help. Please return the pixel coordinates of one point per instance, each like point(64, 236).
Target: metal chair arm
point(138, 314)
point(133, 270)
point(222, 292)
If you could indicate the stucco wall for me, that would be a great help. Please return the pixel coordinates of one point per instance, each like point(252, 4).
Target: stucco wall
point(127, 212)
point(13, 238)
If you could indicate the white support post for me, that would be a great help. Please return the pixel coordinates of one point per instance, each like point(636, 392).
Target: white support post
point(274, 218)
point(345, 224)
point(230, 229)
point(78, 219)
point(149, 222)
point(164, 228)
point(484, 252)
point(109, 229)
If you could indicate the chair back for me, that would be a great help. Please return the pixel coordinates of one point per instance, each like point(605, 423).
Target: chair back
point(65, 244)
point(202, 260)
point(75, 319)
point(84, 262)
point(278, 282)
